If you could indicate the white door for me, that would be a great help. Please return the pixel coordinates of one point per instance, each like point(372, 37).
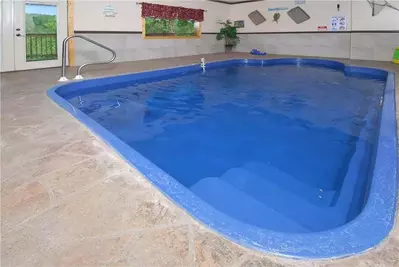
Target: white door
point(40, 27)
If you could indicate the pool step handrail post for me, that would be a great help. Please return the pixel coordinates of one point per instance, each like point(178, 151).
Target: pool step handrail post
point(78, 76)
point(203, 64)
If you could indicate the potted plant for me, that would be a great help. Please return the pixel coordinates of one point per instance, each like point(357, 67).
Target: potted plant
point(229, 33)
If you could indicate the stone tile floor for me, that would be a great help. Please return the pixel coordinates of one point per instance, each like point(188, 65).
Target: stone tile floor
point(68, 200)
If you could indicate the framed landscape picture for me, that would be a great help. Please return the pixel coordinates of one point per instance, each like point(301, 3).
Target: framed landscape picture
point(239, 24)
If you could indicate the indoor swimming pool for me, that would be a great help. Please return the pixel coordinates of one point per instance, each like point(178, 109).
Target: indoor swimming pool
point(295, 157)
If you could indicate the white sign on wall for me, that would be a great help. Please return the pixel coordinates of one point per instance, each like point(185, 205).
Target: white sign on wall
point(338, 23)
point(109, 11)
point(300, 2)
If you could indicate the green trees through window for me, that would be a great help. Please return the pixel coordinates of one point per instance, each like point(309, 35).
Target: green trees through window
point(39, 23)
point(41, 32)
point(166, 27)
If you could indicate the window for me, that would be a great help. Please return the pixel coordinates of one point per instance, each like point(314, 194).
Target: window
point(41, 32)
point(160, 21)
point(155, 28)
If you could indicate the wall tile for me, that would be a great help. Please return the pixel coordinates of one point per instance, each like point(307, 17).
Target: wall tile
point(374, 46)
point(323, 45)
point(131, 47)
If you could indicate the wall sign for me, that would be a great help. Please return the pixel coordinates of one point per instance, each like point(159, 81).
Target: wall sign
point(338, 23)
point(256, 17)
point(298, 15)
point(300, 2)
point(322, 28)
point(109, 11)
point(239, 24)
point(277, 9)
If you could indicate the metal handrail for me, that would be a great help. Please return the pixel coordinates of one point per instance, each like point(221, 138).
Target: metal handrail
point(78, 72)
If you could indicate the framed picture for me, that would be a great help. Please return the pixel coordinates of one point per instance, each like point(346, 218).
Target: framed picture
point(239, 24)
point(298, 15)
point(256, 17)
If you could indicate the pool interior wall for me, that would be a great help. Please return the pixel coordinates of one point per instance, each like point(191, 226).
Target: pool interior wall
point(318, 205)
point(278, 138)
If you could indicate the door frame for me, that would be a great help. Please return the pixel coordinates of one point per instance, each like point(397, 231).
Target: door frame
point(7, 35)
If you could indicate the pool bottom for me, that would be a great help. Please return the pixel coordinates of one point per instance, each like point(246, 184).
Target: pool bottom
point(369, 228)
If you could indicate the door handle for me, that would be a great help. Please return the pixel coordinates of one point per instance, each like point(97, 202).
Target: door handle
point(20, 35)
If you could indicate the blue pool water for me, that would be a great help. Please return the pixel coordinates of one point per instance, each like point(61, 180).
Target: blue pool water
point(296, 157)
point(253, 142)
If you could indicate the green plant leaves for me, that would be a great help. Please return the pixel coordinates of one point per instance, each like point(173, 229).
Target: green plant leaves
point(228, 33)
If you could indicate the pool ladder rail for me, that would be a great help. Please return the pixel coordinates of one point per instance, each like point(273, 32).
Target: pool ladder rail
point(79, 71)
point(203, 64)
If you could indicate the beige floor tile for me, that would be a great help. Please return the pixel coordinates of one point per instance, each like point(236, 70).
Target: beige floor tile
point(90, 147)
point(18, 116)
point(214, 251)
point(256, 259)
point(113, 205)
point(262, 262)
point(18, 155)
point(56, 129)
point(12, 137)
point(16, 175)
point(69, 180)
point(90, 251)
point(23, 202)
point(165, 247)
point(23, 248)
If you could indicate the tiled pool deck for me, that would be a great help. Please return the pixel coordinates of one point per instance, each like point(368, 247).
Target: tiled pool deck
point(69, 200)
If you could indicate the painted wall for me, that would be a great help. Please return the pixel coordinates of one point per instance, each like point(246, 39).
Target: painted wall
point(358, 13)
point(387, 19)
point(89, 16)
point(372, 46)
point(320, 13)
point(131, 46)
point(356, 45)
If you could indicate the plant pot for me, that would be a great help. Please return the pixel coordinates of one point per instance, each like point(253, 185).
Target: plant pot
point(228, 48)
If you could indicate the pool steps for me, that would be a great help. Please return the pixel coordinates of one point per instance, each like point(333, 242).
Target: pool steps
point(240, 206)
point(315, 195)
point(261, 186)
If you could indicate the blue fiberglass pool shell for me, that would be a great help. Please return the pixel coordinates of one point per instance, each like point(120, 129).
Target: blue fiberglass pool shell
point(280, 227)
